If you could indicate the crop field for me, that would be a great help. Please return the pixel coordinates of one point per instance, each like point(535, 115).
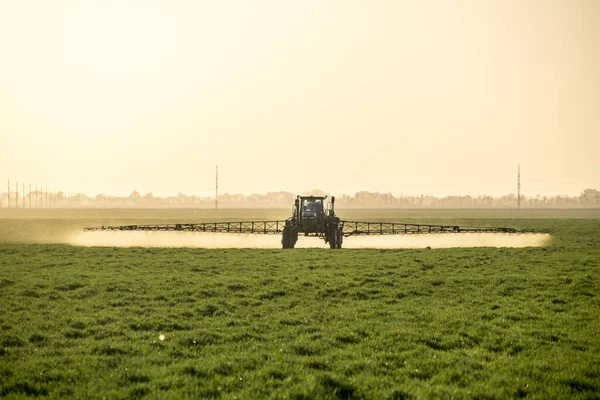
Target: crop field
point(133, 322)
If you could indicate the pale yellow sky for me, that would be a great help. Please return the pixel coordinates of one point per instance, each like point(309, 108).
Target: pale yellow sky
point(434, 97)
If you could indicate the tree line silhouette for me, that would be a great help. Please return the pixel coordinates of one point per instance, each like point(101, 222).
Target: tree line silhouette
point(362, 199)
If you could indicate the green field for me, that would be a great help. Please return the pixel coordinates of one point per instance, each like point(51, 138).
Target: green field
point(87, 322)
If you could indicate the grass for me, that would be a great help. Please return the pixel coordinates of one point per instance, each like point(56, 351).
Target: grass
point(304, 323)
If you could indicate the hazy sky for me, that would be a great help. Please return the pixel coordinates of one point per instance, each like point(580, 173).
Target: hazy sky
point(435, 97)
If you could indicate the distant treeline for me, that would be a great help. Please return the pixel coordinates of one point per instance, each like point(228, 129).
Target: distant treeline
point(588, 198)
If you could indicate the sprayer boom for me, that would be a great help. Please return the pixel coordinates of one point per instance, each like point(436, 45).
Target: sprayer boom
point(310, 217)
point(393, 228)
point(349, 228)
point(264, 227)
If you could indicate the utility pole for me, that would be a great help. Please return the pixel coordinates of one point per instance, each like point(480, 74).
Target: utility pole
point(217, 189)
point(17, 195)
point(23, 194)
point(30, 195)
point(37, 205)
point(9, 193)
point(519, 187)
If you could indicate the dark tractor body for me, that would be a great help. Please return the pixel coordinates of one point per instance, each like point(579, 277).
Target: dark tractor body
point(311, 218)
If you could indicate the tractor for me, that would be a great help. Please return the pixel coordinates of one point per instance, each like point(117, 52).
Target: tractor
point(312, 218)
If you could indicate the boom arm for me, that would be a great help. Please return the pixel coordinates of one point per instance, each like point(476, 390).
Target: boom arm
point(261, 227)
point(349, 228)
point(352, 228)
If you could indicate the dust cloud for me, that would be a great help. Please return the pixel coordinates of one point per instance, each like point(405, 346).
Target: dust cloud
point(449, 240)
point(174, 239)
point(208, 240)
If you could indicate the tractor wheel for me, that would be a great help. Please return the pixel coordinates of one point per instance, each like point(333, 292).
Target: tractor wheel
point(340, 236)
point(288, 239)
point(285, 238)
point(335, 239)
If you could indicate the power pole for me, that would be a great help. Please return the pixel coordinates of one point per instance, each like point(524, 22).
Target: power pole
point(17, 195)
point(37, 205)
point(30, 195)
point(519, 187)
point(217, 189)
point(23, 194)
point(9, 193)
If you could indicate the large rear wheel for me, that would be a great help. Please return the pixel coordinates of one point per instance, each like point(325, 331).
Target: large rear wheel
point(287, 239)
point(335, 238)
point(332, 240)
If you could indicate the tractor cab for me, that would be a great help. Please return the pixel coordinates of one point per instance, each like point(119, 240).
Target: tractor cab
point(311, 212)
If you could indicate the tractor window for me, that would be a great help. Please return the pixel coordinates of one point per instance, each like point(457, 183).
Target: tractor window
point(312, 205)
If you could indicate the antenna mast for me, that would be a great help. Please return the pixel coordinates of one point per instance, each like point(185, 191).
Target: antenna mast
point(519, 187)
point(217, 188)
